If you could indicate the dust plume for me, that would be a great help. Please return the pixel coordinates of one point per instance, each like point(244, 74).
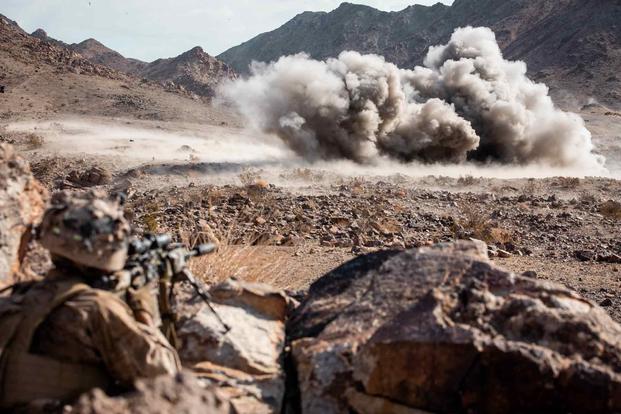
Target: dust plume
point(132, 143)
point(466, 103)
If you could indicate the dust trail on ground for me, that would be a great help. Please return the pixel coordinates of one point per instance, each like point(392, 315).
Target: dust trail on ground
point(135, 144)
point(218, 155)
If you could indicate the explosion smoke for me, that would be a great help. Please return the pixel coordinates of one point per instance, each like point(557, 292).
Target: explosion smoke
point(467, 102)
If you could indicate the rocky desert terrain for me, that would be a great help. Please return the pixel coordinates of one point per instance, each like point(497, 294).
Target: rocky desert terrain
point(190, 167)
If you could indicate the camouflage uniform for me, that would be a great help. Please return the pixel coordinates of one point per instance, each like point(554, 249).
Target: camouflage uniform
point(96, 327)
point(60, 337)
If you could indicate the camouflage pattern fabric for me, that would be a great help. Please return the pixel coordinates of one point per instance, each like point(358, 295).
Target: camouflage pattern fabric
point(97, 327)
point(86, 228)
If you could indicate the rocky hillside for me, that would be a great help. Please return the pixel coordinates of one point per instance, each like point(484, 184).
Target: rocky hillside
point(42, 35)
point(96, 52)
point(42, 77)
point(17, 45)
point(194, 71)
point(572, 44)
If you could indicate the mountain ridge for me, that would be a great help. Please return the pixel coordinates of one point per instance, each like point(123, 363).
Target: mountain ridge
point(573, 45)
point(193, 71)
point(97, 52)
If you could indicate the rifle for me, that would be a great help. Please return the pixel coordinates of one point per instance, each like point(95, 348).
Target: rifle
point(155, 257)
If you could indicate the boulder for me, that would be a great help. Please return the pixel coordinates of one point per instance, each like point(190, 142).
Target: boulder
point(491, 342)
point(247, 360)
point(22, 202)
point(93, 176)
point(443, 330)
point(345, 307)
point(180, 394)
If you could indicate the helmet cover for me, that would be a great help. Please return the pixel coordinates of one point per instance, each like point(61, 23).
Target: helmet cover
point(87, 228)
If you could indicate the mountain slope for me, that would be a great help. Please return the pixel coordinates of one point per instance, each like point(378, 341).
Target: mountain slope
point(194, 70)
point(19, 45)
point(96, 52)
point(43, 79)
point(572, 44)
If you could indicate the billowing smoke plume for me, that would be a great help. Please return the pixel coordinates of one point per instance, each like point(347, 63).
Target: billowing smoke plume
point(467, 102)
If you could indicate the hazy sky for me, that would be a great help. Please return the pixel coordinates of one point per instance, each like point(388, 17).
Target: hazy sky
point(150, 29)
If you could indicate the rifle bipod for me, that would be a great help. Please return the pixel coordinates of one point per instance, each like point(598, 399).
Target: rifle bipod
point(200, 292)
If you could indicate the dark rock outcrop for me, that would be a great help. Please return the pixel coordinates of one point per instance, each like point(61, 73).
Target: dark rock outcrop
point(91, 177)
point(444, 330)
point(100, 54)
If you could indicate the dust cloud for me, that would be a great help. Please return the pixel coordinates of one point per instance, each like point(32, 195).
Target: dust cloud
point(467, 103)
point(131, 143)
point(213, 154)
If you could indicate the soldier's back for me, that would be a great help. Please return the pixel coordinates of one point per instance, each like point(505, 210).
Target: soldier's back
point(87, 336)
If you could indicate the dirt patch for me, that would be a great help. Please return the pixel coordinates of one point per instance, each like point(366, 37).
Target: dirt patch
point(598, 282)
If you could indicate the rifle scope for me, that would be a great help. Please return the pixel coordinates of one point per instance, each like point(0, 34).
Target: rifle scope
point(149, 242)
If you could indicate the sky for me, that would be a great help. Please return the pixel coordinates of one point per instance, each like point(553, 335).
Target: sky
point(151, 29)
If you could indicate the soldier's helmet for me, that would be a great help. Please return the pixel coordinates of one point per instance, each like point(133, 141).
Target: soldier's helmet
point(87, 228)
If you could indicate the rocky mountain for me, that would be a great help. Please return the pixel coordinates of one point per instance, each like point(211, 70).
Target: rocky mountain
point(96, 52)
point(43, 78)
point(194, 71)
point(17, 45)
point(573, 45)
point(42, 35)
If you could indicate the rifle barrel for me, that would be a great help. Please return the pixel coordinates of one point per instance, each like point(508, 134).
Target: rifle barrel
point(203, 249)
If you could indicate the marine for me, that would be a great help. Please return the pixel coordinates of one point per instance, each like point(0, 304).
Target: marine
point(62, 336)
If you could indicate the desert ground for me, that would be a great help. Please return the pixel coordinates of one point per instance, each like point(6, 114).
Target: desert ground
point(199, 174)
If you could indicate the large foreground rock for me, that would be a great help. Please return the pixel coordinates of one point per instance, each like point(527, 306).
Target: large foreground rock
point(22, 201)
point(182, 394)
point(247, 361)
point(443, 330)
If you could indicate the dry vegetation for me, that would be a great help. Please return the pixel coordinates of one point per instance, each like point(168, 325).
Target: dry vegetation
point(611, 209)
point(33, 141)
point(250, 263)
point(249, 176)
point(478, 224)
point(467, 181)
point(568, 183)
point(304, 174)
point(235, 257)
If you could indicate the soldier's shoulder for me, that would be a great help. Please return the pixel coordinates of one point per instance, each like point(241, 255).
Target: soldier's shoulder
point(101, 296)
point(58, 280)
point(102, 305)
